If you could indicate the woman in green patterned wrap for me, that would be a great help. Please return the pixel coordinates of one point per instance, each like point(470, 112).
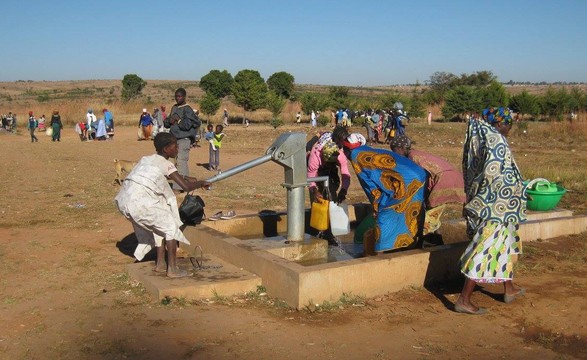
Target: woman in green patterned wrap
point(496, 204)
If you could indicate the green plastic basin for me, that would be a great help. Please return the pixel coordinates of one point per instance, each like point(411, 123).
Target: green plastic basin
point(545, 200)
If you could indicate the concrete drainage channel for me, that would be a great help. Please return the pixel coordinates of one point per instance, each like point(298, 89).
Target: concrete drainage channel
point(247, 251)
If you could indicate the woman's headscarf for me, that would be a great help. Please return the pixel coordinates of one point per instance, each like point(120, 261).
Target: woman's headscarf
point(354, 140)
point(502, 115)
point(329, 152)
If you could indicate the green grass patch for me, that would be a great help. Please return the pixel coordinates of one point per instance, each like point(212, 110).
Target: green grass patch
point(345, 300)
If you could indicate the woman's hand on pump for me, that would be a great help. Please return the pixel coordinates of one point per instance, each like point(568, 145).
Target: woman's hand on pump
point(188, 183)
point(317, 194)
point(202, 184)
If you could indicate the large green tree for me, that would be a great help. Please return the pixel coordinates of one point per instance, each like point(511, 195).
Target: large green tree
point(494, 95)
point(460, 100)
point(209, 104)
point(339, 97)
point(217, 83)
point(416, 106)
point(578, 99)
point(312, 101)
point(440, 82)
point(281, 83)
point(480, 78)
point(555, 103)
point(249, 90)
point(132, 86)
point(275, 103)
point(525, 103)
point(387, 99)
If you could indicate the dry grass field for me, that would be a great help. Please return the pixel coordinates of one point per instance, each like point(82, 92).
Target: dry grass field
point(64, 293)
point(74, 98)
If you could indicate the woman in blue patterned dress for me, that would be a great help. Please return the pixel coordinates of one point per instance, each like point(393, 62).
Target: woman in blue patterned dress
point(496, 204)
point(395, 186)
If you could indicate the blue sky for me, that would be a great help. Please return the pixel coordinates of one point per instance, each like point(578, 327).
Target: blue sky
point(354, 43)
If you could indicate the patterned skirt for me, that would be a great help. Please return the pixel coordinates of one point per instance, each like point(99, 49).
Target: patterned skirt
point(491, 255)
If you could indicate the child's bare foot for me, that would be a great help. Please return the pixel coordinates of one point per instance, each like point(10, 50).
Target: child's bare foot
point(160, 268)
point(177, 273)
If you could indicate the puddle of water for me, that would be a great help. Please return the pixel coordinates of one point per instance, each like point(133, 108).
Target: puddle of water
point(346, 251)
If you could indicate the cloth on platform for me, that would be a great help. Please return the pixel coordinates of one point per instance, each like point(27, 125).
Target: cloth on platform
point(445, 182)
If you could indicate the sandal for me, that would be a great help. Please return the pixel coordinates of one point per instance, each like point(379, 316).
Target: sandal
point(216, 216)
point(464, 310)
point(509, 298)
point(228, 215)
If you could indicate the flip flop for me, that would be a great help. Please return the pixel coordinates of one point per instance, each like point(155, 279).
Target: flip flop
point(509, 298)
point(228, 215)
point(216, 216)
point(463, 310)
point(179, 274)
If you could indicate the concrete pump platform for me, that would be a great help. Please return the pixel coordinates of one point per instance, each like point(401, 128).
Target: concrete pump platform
point(247, 251)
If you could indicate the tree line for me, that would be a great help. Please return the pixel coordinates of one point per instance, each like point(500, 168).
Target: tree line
point(457, 95)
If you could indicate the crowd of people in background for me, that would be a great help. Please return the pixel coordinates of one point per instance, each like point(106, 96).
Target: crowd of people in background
point(9, 122)
point(101, 127)
point(92, 128)
point(380, 125)
point(95, 128)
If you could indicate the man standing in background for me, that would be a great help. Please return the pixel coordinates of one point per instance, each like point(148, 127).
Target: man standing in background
point(91, 119)
point(225, 118)
point(32, 126)
point(183, 123)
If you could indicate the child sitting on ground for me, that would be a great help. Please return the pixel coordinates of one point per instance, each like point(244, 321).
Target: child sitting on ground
point(146, 199)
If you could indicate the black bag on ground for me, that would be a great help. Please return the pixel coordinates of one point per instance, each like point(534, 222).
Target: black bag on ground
point(191, 210)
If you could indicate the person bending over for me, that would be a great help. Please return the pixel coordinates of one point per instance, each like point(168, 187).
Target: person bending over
point(147, 201)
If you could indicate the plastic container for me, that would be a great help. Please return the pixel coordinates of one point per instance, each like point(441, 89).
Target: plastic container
point(319, 215)
point(339, 218)
point(544, 198)
point(545, 187)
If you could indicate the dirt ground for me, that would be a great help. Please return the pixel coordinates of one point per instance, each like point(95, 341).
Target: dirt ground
point(64, 293)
